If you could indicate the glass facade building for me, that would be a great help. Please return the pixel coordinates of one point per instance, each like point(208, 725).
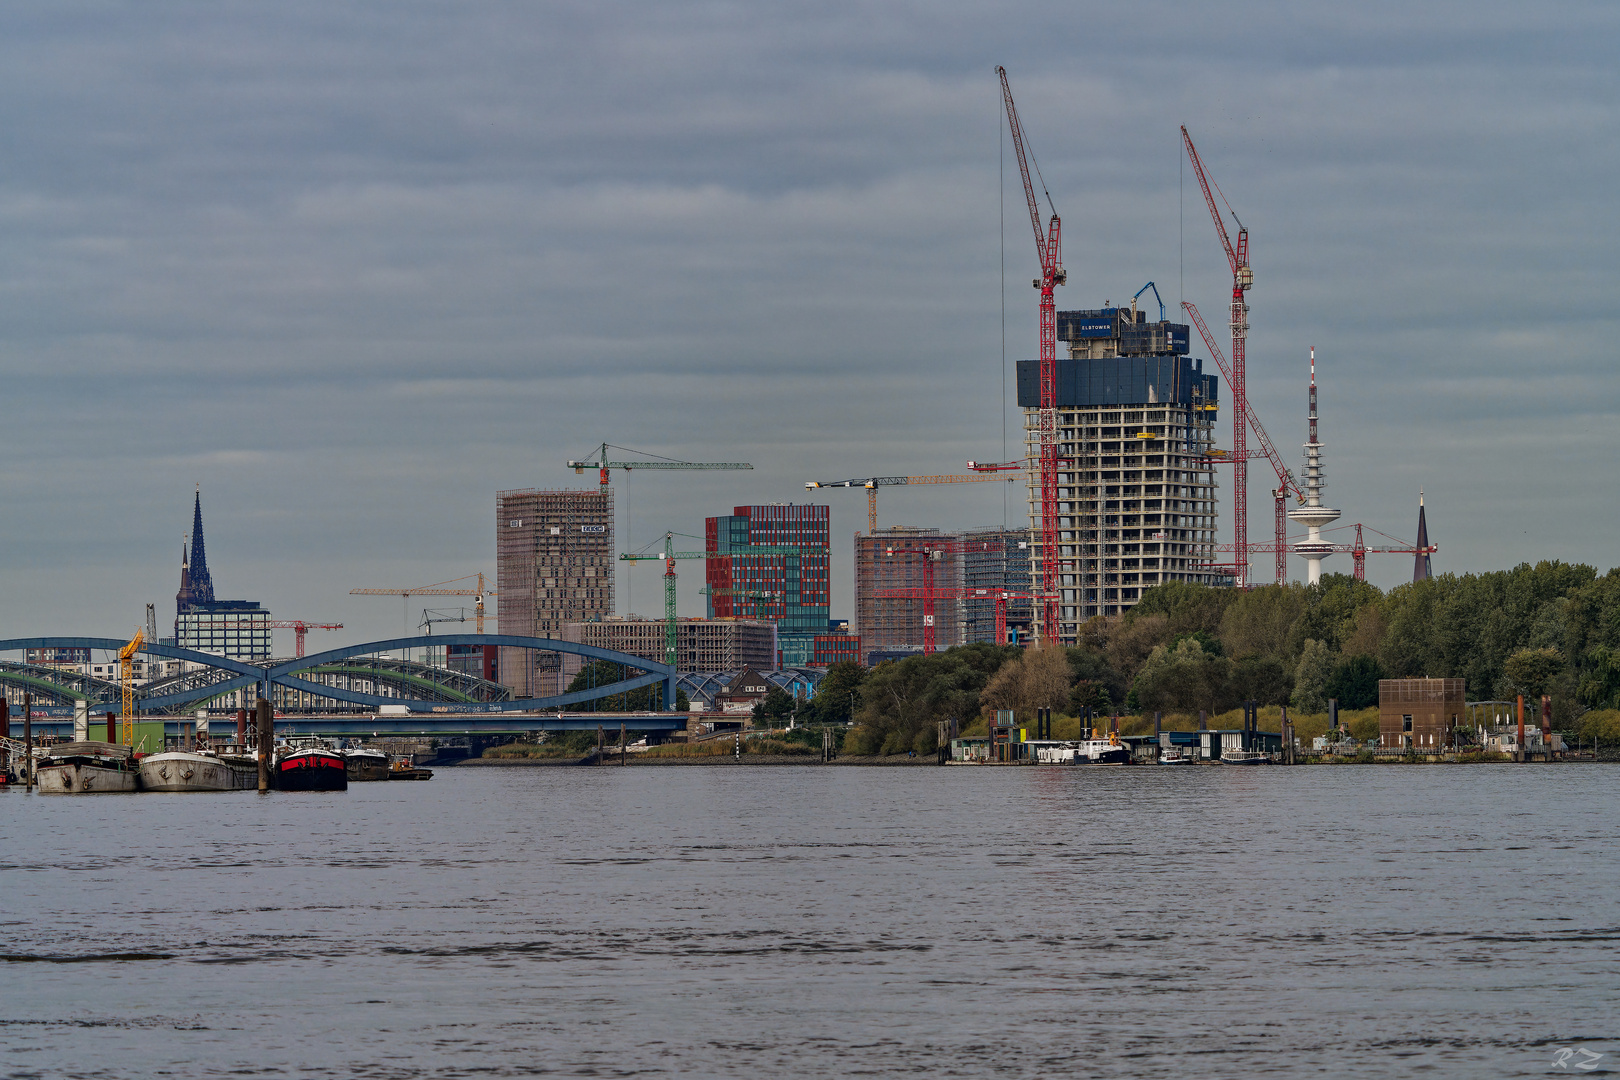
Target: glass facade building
point(789, 588)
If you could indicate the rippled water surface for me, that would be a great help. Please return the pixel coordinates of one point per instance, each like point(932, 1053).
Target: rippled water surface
point(750, 921)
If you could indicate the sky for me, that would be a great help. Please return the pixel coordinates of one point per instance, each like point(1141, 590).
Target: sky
point(353, 268)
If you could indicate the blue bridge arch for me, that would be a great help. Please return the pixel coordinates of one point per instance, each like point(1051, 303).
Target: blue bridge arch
point(286, 673)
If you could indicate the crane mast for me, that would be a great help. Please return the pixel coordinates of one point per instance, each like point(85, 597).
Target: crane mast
point(1242, 278)
point(1047, 249)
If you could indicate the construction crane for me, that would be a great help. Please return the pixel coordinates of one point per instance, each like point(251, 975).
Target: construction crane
point(872, 483)
point(932, 549)
point(668, 556)
point(1359, 550)
point(648, 461)
point(435, 589)
point(299, 627)
point(126, 671)
point(1048, 249)
point(1242, 280)
point(1286, 484)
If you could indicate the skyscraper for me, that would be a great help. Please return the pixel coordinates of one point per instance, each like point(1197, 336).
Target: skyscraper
point(553, 565)
point(791, 589)
point(1136, 479)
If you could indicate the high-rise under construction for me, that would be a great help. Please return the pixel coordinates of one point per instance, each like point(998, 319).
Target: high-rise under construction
point(1136, 472)
point(553, 565)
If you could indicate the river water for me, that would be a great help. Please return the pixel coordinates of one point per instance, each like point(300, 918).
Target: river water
point(757, 921)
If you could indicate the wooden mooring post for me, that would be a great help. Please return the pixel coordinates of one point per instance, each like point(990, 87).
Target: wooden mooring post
point(624, 751)
point(28, 740)
point(266, 740)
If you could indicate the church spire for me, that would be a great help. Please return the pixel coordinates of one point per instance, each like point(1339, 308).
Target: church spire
point(1421, 571)
point(202, 583)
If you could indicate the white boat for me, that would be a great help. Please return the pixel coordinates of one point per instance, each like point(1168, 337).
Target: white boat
point(1174, 757)
point(1102, 752)
point(1244, 757)
point(86, 768)
point(186, 770)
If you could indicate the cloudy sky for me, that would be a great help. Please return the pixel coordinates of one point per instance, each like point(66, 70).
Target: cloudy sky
point(355, 267)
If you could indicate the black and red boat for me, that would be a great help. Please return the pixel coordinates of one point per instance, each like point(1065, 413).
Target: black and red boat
point(309, 768)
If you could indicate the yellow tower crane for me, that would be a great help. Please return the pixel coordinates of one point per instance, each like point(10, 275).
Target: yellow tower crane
point(126, 668)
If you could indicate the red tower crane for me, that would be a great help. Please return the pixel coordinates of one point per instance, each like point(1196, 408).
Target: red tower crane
point(932, 549)
point(1242, 279)
point(1286, 484)
point(1052, 274)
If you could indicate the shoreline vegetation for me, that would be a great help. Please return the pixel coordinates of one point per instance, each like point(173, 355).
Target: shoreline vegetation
point(1550, 629)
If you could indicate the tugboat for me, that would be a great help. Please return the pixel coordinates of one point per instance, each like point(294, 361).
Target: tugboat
point(402, 769)
point(365, 763)
point(203, 770)
point(86, 768)
point(1109, 751)
point(306, 765)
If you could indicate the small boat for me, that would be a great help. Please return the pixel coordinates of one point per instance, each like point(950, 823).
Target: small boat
point(1102, 752)
point(1244, 757)
point(86, 768)
point(1174, 757)
point(402, 769)
point(308, 766)
point(365, 763)
point(186, 770)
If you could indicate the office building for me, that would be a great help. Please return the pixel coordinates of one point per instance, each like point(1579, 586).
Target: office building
point(700, 644)
point(893, 559)
point(790, 587)
point(553, 566)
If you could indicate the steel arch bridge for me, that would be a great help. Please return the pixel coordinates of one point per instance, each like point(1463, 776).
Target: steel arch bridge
point(241, 675)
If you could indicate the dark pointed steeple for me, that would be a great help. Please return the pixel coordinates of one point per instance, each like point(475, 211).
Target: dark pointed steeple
point(201, 582)
point(1421, 571)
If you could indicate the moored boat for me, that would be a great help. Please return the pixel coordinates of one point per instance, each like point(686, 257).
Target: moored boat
point(86, 768)
point(184, 770)
point(308, 767)
point(1102, 752)
point(403, 769)
point(365, 763)
point(1244, 757)
point(1174, 757)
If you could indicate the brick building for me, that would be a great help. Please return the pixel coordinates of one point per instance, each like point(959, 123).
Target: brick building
point(1420, 713)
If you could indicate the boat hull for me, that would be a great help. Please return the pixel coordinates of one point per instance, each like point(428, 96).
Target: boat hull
point(364, 767)
point(85, 778)
point(182, 771)
point(311, 770)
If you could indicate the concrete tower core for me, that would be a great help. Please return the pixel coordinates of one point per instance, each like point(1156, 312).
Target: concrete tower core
point(1313, 515)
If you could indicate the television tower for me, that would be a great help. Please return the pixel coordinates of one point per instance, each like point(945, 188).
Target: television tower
point(1313, 515)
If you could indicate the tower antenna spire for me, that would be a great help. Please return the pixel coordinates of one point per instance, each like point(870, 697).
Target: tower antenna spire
point(1313, 515)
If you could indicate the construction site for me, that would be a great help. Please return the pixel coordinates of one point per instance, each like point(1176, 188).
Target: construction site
point(1123, 474)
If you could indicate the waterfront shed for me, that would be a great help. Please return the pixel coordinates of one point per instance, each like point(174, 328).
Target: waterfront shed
point(1420, 714)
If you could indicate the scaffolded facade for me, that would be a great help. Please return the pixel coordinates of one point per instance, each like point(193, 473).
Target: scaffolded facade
point(996, 561)
point(892, 559)
point(700, 644)
point(553, 566)
point(1136, 471)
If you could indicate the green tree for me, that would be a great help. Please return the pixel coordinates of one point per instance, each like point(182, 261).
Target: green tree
point(837, 695)
point(776, 706)
point(1183, 679)
point(1354, 682)
point(606, 673)
point(1262, 679)
point(1310, 677)
point(902, 700)
point(1532, 671)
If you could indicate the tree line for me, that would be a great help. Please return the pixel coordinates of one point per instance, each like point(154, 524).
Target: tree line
point(1552, 628)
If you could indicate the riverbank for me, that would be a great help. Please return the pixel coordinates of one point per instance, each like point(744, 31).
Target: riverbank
point(612, 760)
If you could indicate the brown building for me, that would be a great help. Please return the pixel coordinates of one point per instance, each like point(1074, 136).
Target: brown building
point(892, 559)
point(700, 644)
point(1420, 713)
point(553, 566)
